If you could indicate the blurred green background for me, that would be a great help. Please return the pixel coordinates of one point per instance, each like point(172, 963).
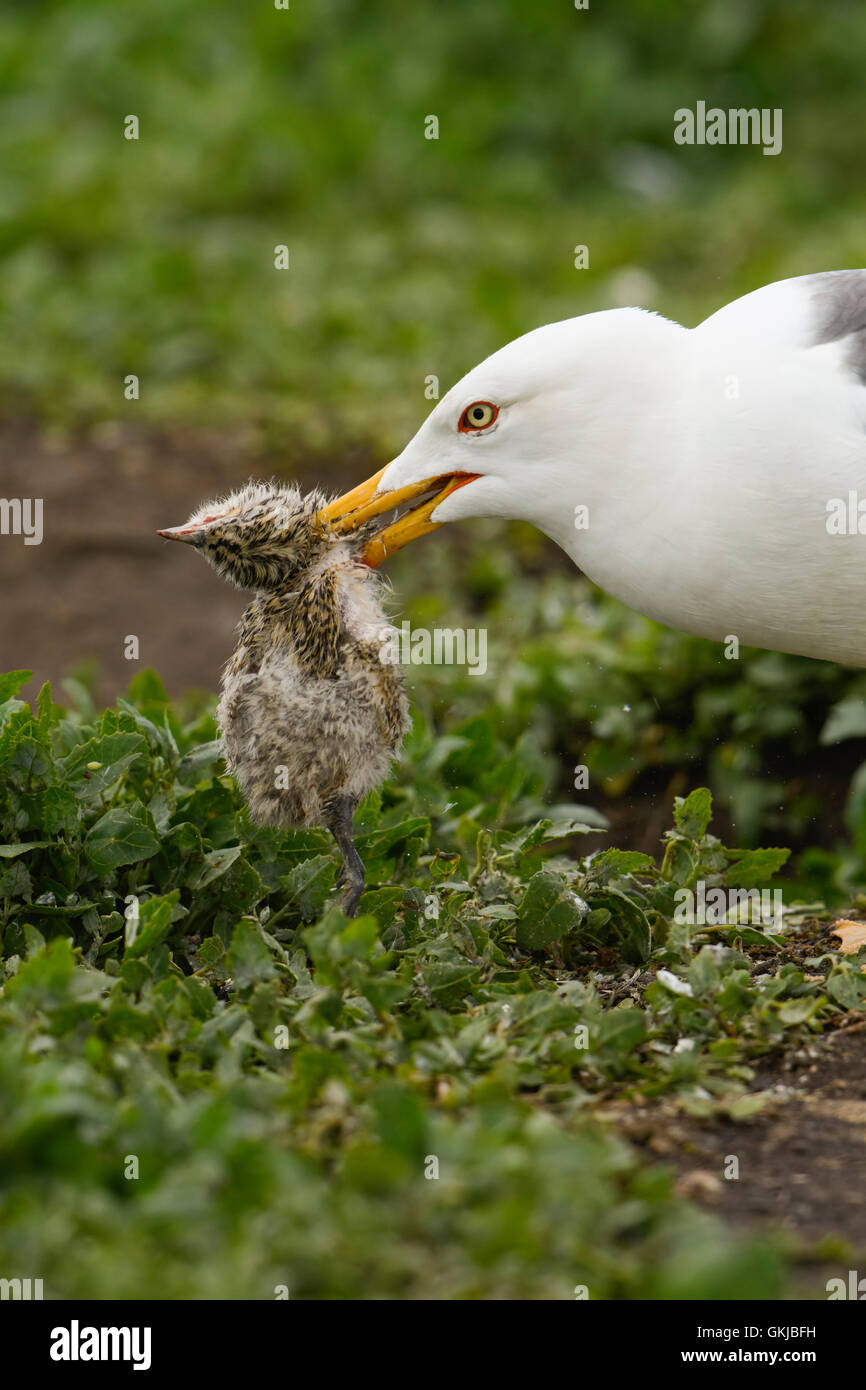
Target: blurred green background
point(408, 256)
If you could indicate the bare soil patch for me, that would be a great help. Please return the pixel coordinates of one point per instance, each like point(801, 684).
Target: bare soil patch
point(801, 1161)
point(101, 574)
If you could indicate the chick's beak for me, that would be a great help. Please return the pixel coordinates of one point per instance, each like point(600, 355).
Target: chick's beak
point(365, 502)
point(191, 535)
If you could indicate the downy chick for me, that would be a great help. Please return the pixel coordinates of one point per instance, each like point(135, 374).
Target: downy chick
point(311, 714)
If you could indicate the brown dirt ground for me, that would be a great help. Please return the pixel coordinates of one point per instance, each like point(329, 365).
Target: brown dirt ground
point(102, 574)
point(802, 1157)
point(802, 1160)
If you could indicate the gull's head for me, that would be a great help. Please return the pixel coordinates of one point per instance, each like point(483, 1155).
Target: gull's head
point(522, 436)
point(261, 537)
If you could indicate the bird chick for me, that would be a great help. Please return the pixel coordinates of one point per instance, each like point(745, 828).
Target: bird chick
point(311, 711)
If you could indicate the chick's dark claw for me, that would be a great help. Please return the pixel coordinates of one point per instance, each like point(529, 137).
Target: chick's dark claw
point(312, 708)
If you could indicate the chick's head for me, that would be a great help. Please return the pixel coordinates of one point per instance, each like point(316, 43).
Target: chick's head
point(264, 536)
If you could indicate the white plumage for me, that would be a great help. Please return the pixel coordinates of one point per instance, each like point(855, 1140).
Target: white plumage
point(711, 461)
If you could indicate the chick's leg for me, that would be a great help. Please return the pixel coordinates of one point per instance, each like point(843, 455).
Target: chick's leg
point(339, 819)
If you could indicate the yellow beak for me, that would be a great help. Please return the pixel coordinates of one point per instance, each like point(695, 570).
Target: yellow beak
point(362, 504)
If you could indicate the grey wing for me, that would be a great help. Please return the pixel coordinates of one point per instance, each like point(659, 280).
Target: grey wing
point(838, 299)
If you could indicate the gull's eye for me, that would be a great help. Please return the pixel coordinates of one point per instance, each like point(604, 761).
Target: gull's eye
point(478, 416)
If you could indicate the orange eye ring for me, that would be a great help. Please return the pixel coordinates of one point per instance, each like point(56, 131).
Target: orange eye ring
point(480, 415)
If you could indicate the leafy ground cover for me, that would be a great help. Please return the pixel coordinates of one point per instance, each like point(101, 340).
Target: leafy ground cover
point(154, 943)
point(212, 1084)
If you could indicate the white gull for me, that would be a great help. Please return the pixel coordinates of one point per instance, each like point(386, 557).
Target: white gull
point(710, 478)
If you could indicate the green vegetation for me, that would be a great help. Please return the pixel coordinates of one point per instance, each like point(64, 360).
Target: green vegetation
point(158, 950)
point(581, 680)
point(212, 1084)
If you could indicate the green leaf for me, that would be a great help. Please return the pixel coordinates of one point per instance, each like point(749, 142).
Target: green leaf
point(616, 863)
point(10, 707)
point(211, 951)
point(847, 987)
point(381, 848)
point(146, 688)
point(35, 941)
point(447, 983)
point(59, 811)
point(199, 762)
point(620, 1031)
point(751, 867)
point(793, 1011)
point(29, 763)
point(61, 910)
point(158, 736)
point(681, 861)
point(114, 753)
point(212, 808)
point(121, 836)
point(749, 936)
point(547, 831)
point(182, 845)
point(692, 815)
point(628, 926)
point(499, 912)
point(152, 925)
point(52, 980)
point(11, 682)
point(548, 911)
point(249, 958)
point(217, 862)
point(229, 897)
point(309, 884)
point(15, 882)
point(12, 851)
point(47, 712)
point(358, 940)
point(401, 1121)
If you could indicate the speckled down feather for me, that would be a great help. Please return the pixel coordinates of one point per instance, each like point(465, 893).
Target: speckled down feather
point(310, 713)
point(309, 710)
